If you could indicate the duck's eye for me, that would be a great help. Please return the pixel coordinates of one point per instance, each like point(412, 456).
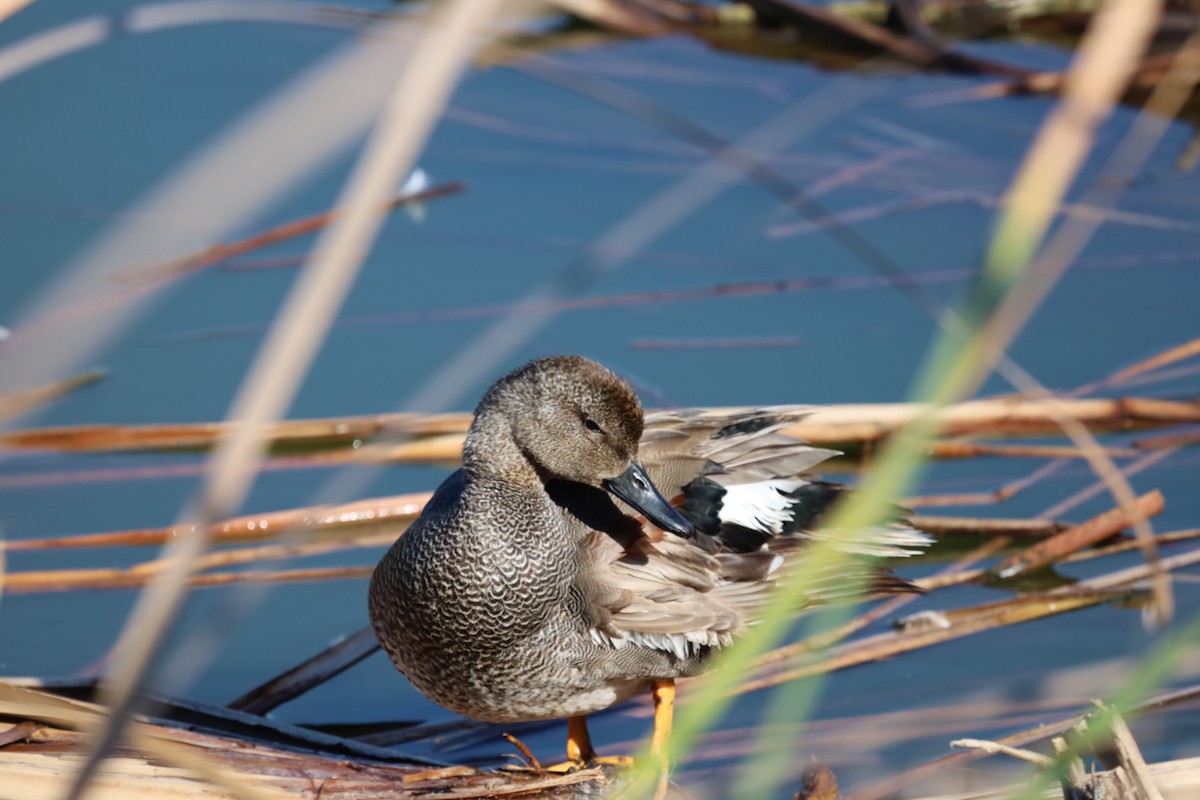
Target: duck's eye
point(590, 424)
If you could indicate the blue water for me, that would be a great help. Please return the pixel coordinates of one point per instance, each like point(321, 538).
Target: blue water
point(549, 172)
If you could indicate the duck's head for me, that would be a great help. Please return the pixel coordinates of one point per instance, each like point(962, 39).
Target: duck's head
point(576, 420)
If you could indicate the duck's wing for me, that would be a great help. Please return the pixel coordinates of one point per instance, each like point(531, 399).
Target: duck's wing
point(669, 595)
point(672, 595)
point(743, 483)
point(678, 447)
point(739, 480)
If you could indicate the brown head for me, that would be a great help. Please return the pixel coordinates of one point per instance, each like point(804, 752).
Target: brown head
point(571, 419)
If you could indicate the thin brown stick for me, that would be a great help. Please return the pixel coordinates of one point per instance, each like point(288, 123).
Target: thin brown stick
point(1170, 537)
point(955, 572)
point(15, 403)
point(1165, 358)
point(953, 575)
point(960, 449)
point(987, 746)
point(1080, 536)
point(65, 581)
point(976, 619)
point(1005, 492)
point(142, 573)
point(193, 262)
point(957, 578)
point(965, 622)
point(1130, 757)
point(829, 425)
point(1088, 492)
point(530, 758)
point(887, 787)
point(1171, 441)
point(986, 526)
point(395, 512)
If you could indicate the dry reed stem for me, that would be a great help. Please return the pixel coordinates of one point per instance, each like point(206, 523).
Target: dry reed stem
point(883, 729)
point(245, 555)
point(991, 747)
point(960, 450)
point(1171, 442)
point(959, 623)
point(193, 262)
point(26, 703)
point(887, 787)
point(959, 577)
point(1130, 757)
point(976, 619)
point(1080, 536)
point(1177, 779)
point(45, 46)
point(1165, 358)
point(1088, 492)
point(35, 770)
point(1147, 75)
point(986, 526)
point(955, 574)
point(1005, 492)
point(884, 609)
point(395, 512)
point(74, 580)
point(10, 7)
point(346, 521)
point(828, 425)
point(1171, 537)
point(15, 403)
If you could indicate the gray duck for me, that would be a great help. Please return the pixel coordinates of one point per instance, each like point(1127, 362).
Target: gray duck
point(552, 577)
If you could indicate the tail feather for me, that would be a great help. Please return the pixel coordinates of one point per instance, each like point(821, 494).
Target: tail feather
point(857, 581)
point(891, 541)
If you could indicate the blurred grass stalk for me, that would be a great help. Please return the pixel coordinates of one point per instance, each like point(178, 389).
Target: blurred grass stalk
point(415, 102)
point(10, 7)
point(958, 364)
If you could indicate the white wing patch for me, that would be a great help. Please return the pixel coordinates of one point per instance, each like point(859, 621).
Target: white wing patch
point(760, 506)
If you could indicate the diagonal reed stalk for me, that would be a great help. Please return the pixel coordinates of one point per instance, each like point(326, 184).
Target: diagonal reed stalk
point(957, 365)
point(10, 7)
point(413, 106)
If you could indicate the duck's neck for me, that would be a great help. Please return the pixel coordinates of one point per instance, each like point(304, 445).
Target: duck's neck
point(491, 451)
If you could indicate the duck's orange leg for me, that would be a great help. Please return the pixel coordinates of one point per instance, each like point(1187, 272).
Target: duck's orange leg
point(664, 713)
point(579, 743)
point(580, 752)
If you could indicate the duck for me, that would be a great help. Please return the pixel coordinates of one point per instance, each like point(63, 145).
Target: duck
point(587, 552)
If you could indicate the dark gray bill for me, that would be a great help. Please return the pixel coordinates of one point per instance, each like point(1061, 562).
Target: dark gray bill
point(634, 487)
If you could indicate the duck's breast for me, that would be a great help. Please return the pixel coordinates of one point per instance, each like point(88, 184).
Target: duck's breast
point(483, 568)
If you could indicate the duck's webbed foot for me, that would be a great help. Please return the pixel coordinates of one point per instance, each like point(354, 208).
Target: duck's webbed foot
point(581, 754)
